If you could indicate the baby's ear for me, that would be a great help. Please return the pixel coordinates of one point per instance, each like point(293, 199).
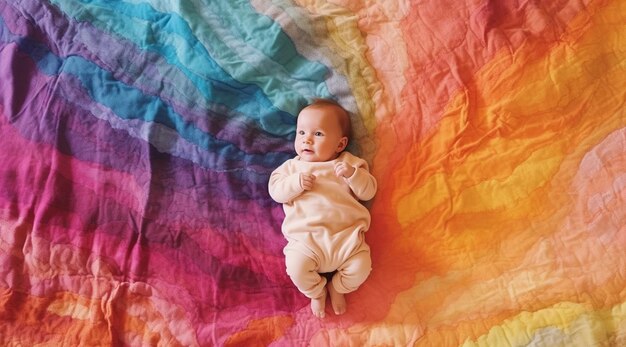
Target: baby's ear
point(343, 142)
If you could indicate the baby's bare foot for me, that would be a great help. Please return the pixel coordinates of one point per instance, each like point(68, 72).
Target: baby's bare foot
point(337, 300)
point(318, 306)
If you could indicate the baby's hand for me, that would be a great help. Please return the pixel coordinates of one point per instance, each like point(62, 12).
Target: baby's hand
point(344, 170)
point(306, 181)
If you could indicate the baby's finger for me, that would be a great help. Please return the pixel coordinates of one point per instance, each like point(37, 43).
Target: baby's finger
point(340, 173)
point(308, 181)
point(338, 167)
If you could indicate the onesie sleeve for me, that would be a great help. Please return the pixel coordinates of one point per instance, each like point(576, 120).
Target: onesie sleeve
point(284, 186)
point(362, 183)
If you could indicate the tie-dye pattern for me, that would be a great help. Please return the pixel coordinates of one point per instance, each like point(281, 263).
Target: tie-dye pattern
point(137, 138)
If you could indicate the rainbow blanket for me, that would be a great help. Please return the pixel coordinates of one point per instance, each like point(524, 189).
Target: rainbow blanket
point(137, 138)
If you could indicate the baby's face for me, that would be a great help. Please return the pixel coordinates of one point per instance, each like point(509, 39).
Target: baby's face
point(318, 134)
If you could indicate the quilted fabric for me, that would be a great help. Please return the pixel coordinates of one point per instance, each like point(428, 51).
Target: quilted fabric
point(137, 138)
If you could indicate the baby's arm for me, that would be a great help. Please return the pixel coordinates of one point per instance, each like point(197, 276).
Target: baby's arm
point(361, 182)
point(285, 186)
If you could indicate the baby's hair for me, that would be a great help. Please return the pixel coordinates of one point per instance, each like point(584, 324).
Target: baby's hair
point(344, 116)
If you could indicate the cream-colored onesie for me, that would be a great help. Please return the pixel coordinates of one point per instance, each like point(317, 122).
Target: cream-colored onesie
point(324, 226)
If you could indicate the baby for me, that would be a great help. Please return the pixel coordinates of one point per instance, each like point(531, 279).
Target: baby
point(324, 221)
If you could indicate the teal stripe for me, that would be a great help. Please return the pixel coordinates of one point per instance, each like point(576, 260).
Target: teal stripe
point(253, 49)
point(249, 46)
point(170, 36)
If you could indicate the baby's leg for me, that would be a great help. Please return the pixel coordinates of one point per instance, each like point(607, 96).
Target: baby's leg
point(303, 272)
point(350, 275)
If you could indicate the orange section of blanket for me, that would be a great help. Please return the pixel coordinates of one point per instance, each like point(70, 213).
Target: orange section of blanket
point(516, 179)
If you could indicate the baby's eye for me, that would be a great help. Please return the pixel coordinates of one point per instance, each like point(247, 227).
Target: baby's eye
point(318, 133)
point(300, 132)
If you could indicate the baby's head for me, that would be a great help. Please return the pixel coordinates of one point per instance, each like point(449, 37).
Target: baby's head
point(322, 131)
